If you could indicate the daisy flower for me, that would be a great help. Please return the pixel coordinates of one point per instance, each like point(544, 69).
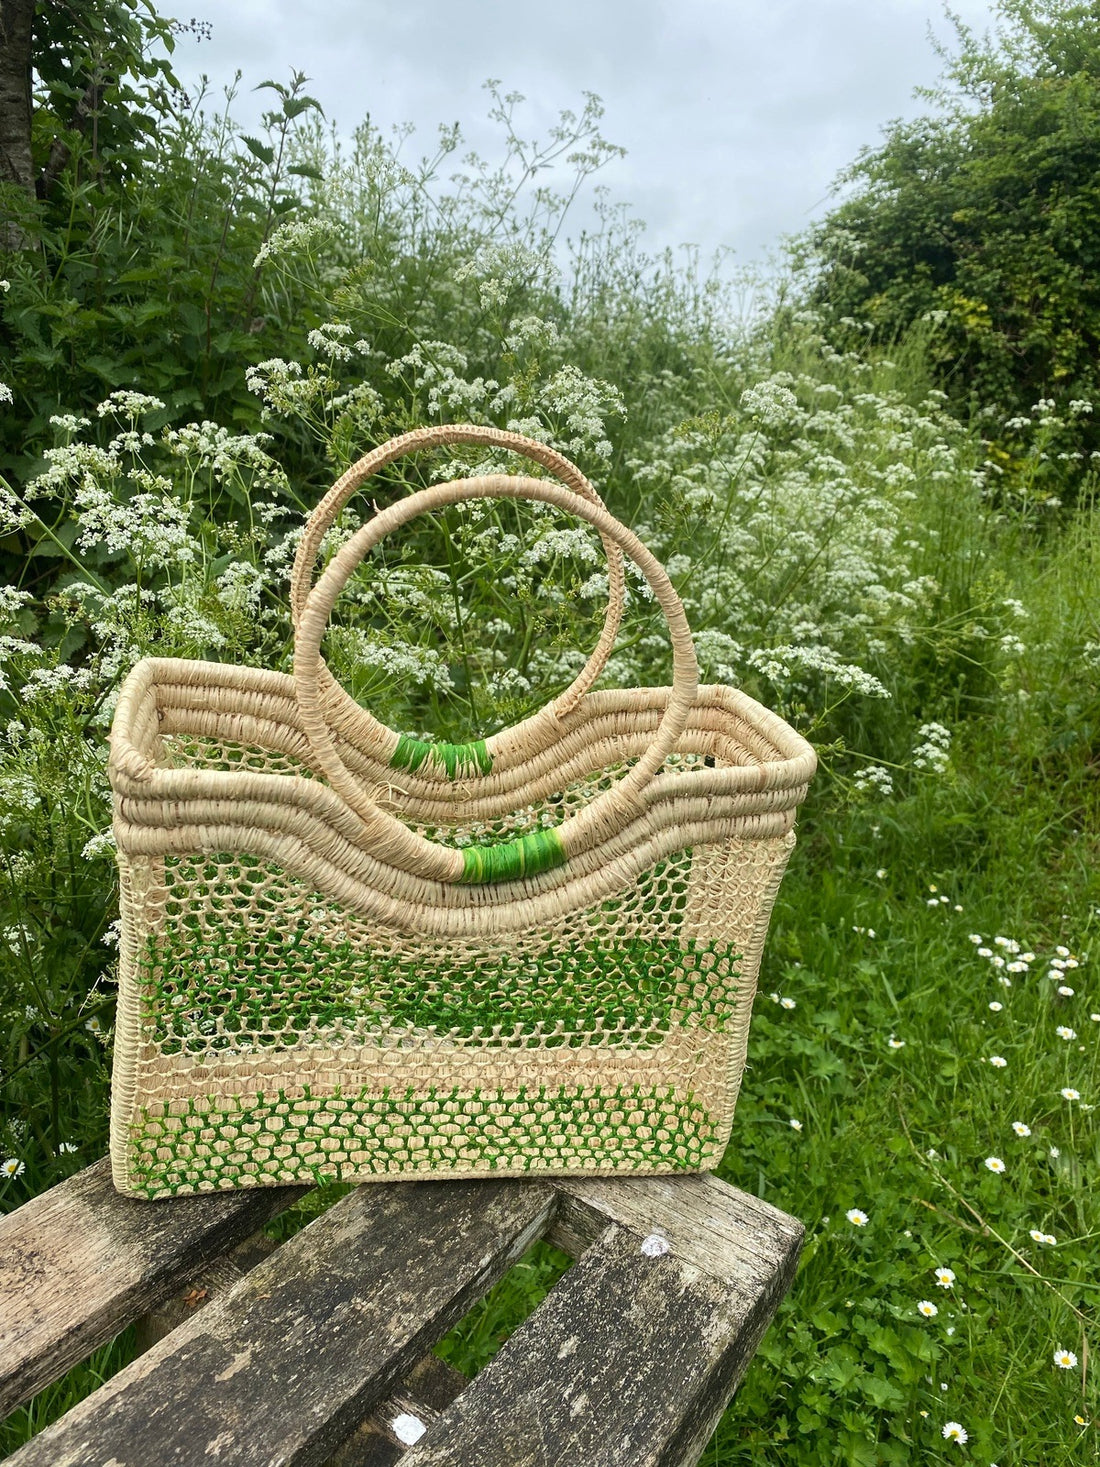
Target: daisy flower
point(856, 1217)
point(12, 1167)
point(1021, 1129)
point(1064, 1359)
point(895, 1043)
point(794, 1125)
point(786, 1003)
point(995, 1164)
point(1068, 1093)
point(1063, 1031)
point(1065, 990)
point(998, 1061)
point(953, 1432)
point(996, 1007)
point(927, 1308)
point(944, 1277)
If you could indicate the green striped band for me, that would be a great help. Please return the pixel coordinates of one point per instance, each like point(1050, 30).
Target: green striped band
point(458, 759)
point(541, 850)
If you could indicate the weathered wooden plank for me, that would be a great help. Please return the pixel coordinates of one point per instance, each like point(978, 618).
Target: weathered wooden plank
point(394, 1426)
point(724, 1231)
point(81, 1261)
point(281, 1369)
point(384, 1436)
point(634, 1354)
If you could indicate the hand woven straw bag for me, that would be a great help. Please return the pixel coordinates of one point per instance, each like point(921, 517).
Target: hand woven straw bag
point(350, 954)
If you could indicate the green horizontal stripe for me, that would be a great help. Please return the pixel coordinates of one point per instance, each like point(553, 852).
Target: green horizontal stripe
point(542, 850)
point(459, 760)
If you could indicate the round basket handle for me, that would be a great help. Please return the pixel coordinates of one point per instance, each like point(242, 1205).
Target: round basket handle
point(386, 837)
point(327, 512)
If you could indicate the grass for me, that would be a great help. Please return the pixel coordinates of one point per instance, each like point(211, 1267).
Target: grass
point(832, 513)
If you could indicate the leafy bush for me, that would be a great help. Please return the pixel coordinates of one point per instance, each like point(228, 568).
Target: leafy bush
point(982, 221)
point(847, 550)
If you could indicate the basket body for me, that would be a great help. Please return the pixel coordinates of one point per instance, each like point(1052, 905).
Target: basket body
point(292, 1007)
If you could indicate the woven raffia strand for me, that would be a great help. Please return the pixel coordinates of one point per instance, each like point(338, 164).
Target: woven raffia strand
point(344, 955)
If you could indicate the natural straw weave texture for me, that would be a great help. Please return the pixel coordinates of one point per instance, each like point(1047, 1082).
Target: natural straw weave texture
point(350, 954)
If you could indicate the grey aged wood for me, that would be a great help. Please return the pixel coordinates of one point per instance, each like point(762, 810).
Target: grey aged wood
point(283, 1367)
point(430, 1386)
point(285, 1358)
point(79, 1262)
point(632, 1358)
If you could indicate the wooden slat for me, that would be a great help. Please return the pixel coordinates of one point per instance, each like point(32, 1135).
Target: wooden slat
point(724, 1231)
point(81, 1261)
point(384, 1438)
point(631, 1359)
point(282, 1369)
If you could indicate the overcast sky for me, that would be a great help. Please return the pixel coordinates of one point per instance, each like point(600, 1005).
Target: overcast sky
point(736, 114)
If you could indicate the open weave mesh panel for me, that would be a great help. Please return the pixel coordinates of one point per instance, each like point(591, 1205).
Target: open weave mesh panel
point(611, 1037)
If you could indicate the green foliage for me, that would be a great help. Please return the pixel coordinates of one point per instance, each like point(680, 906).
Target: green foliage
point(218, 323)
point(982, 221)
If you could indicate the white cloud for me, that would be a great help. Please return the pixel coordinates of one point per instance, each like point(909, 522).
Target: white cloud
point(736, 114)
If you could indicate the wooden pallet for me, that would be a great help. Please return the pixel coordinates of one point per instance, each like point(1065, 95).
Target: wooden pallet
point(320, 1351)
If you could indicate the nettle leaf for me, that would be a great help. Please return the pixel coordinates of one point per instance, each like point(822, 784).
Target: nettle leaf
point(295, 106)
point(263, 151)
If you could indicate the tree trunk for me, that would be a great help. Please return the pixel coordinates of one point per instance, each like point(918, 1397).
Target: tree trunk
point(16, 164)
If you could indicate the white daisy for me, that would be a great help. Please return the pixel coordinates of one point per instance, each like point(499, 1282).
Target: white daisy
point(996, 1007)
point(945, 1277)
point(12, 1167)
point(794, 1125)
point(856, 1217)
point(1068, 1093)
point(1064, 1359)
point(994, 1163)
point(953, 1432)
point(1021, 1129)
point(1063, 1031)
point(786, 1003)
point(927, 1308)
point(998, 1061)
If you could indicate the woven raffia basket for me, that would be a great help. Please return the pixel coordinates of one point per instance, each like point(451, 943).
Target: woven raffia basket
point(349, 954)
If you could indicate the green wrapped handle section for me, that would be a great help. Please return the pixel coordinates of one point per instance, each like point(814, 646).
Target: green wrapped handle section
point(541, 850)
point(459, 760)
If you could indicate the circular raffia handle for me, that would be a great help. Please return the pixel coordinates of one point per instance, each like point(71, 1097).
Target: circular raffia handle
point(385, 836)
point(369, 730)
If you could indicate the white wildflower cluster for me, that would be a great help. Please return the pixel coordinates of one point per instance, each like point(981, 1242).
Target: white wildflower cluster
point(287, 388)
point(812, 516)
point(778, 664)
point(770, 403)
point(933, 748)
point(874, 779)
point(440, 370)
point(330, 340)
point(241, 586)
point(578, 406)
point(213, 447)
point(401, 661)
point(129, 406)
point(292, 240)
